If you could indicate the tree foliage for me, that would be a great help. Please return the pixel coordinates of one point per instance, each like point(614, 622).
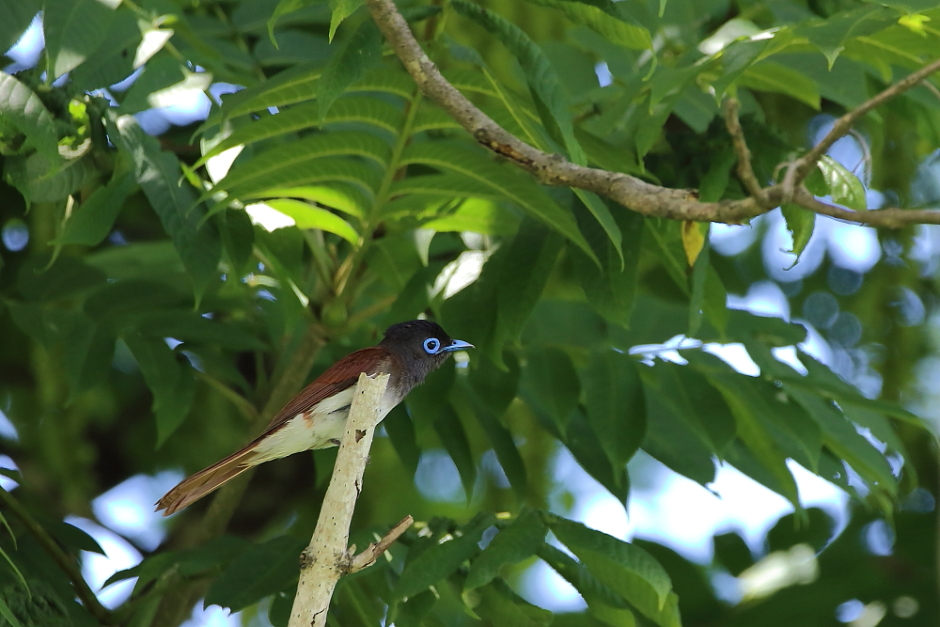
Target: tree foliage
point(154, 318)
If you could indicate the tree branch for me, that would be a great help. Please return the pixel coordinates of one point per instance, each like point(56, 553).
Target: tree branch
point(843, 125)
point(65, 561)
point(745, 169)
point(631, 192)
point(326, 558)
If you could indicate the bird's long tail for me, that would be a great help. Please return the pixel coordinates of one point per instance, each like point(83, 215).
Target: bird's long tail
point(205, 481)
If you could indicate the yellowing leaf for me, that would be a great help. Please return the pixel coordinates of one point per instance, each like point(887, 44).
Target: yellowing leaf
point(693, 239)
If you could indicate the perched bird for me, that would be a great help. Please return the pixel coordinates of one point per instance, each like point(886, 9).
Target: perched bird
point(316, 417)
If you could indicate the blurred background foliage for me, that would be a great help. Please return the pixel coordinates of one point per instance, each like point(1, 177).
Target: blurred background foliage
point(205, 203)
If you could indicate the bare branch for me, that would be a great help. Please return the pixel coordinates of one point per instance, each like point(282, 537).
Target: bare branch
point(633, 193)
point(842, 125)
point(745, 170)
point(373, 551)
point(883, 218)
point(326, 558)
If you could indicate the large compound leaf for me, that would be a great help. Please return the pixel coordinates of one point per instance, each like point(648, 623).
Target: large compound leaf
point(604, 17)
point(23, 109)
point(74, 29)
point(158, 173)
point(348, 109)
point(517, 188)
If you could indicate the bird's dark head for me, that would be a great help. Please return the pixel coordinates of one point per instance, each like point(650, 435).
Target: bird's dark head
point(422, 344)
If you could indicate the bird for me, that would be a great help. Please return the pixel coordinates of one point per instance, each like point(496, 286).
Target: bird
point(316, 417)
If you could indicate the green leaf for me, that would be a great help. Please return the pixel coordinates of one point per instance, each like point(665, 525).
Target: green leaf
point(401, 433)
point(603, 603)
point(339, 11)
point(611, 288)
point(699, 275)
point(94, 218)
point(73, 30)
point(613, 399)
point(267, 166)
point(360, 53)
point(66, 278)
point(113, 61)
point(830, 35)
point(291, 86)
point(42, 180)
point(260, 571)
point(15, 18)
point(307, 216)
point(158, 173)
point(514, 186)
point(5, 611)
point(347, 109)
point(442, 559)
point(551, 386)
point(603, 17)
point(88, 356)
point(626, 569)
point(508, 455)
point(543, 82)
point(412, 611)
point(324, 170)
point(188, 326)
point(777, 78)
point(844, 187)
point(170, 382)
point(713, 184)
point(514, 543)
point(528, 263)
point(499, 605)
point(453, 436)
point(691, 398)
point(800, 223)
point(160, 72)
point(585, 444)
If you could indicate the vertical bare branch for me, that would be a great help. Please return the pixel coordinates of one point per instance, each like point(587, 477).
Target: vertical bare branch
point(327, 558)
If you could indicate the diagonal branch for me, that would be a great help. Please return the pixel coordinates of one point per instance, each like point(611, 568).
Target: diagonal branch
point(327, 557)
point(844, 124)
point(631, 192)
point(66, 562)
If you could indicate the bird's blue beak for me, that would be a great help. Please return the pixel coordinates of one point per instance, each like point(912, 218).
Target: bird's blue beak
point(457, 345)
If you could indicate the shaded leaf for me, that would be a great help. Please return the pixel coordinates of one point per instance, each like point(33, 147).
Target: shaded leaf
point(543, 82)
point(443, 558)
point(360, 53)
point(626, 569)
point(500, 605)
point(73, 30)
point(95, 217)
point(613, 399)
point(170, 382)
point(517, 541)
point(158, 173)
point(258, 572)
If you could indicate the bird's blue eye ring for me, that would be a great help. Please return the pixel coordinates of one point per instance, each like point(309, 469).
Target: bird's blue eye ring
point(432, 345)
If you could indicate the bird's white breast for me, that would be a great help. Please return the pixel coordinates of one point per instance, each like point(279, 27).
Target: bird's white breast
point(316, 428)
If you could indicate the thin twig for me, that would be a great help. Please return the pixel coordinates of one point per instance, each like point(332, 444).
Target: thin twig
point(65, 562)
point(842, 125)
point(745, 169)
point(884, 218)
point(374, 550)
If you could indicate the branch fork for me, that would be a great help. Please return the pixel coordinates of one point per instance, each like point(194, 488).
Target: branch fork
point(633, 193)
